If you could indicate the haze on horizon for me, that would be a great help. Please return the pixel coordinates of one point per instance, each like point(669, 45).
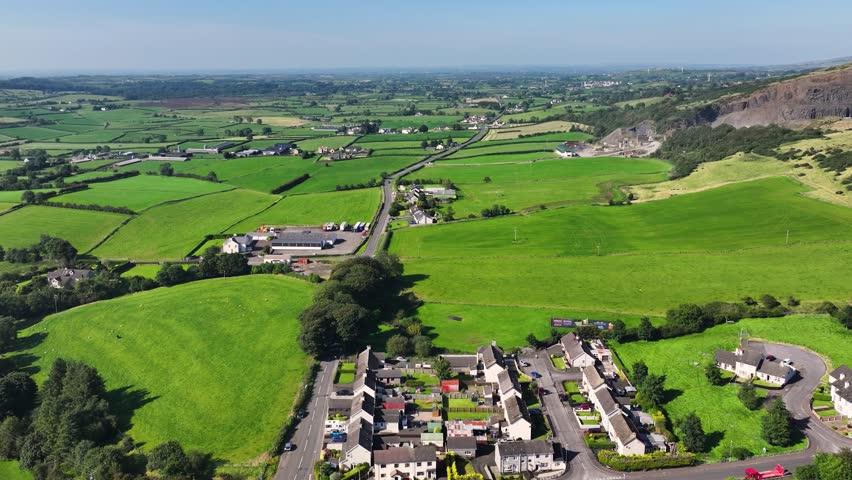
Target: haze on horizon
point(104, 36)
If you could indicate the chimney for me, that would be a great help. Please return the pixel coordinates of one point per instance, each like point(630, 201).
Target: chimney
point(493, 343)
point(846, 385)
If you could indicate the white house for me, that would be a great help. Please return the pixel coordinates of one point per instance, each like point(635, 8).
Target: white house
point(841, 390)
point(363, 408)
point(575, 352)
point(405, 463)
point(518, 423)
point(747, 363)
point(592, 379)
point(534, 456)
point(238, 244)
point(462, 446)
point(491, 361)
point(508, 385)
point(623, 433)
point(68, 276)
point(359, 445)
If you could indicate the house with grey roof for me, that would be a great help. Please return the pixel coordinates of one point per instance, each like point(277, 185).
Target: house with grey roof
point(363, 408)
point(533, 456)
point(840, 380)
point(575, 351)
point(238, 244)
point(358, 447)
point(406, 462)
point(389, 376)
point(491, 361)
point(508, 384)
point(367, 360)
point(623, 433)
point(592, 379)
point(462, 446)
point(68, 277)
point(747, 363)
point(465, 364)
point(518, 424)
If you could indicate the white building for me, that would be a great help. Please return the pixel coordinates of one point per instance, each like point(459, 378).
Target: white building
point(534, 456)
point(404, 463)
point(747, 363)
point(359, 445)
point(238, 244)
point(491, 361)
point(517, 418)
point(841, 390)
point(575, 352)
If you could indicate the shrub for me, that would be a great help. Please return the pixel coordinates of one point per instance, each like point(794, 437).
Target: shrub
point(651, 461)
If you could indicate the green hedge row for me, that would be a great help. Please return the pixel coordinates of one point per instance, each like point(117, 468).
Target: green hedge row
point(651, 461)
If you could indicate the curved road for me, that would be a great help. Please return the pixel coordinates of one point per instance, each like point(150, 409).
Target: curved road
point(584, 466)
point(388, 193)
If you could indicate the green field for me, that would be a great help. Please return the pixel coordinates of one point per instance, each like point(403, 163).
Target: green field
point(203, 363)
point(720, 411)
point(142, 191)
point(83, 228)
point(170, 231)
point(715, 245)
point(9, 470)
point(551, 183)
point(317, 208)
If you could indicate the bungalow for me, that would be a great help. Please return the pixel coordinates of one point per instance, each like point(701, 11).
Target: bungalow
point(490, 358)
point(68, 277)
point(575, 352)
point(462, 446)
point(747, 363)
point(841, 389)
point(359, 445)
point(406, 463)
point(465, 364)
point(518, 423)
point(389, 376)
point(529, 456)
point(238, 244)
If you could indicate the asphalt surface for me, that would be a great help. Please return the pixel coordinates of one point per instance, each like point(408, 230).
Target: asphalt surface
point(308, 435)
point(388, 192)
point(584, 466)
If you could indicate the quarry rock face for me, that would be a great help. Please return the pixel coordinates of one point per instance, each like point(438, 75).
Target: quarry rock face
point(821, 94)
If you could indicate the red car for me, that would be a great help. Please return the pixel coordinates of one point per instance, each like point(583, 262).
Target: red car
point(770, 357)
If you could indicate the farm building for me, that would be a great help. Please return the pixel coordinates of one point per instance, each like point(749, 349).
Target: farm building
point(565, 151)
point(306, 240)
point(280, 149)
point(238, 244)
point(68, 277)
point(214, 149)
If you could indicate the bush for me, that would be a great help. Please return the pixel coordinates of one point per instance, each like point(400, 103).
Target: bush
point(742, 453)
point(292, 183)
point(651, 461)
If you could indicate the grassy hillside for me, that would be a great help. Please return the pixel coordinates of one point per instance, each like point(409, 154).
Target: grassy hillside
point(213, 364)
point(722, 414)
point(143, 191)
point(168, 232)
point(83, 228)
point(715, 245)
point(317, 208)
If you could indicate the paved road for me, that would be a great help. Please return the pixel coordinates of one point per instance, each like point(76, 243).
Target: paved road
point(583, 465)
point(308, 436)
point(388, 191)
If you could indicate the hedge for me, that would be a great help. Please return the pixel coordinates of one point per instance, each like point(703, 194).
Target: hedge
point(117, 176)
point(651, 461)
point(292, 183)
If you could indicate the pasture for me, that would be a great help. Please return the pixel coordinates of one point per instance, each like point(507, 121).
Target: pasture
point(317, 208)
point(643, 258)
point(171, 231)
point(203, 363)
point(722, 414)
point(551, 183)
point(10, 470)
point(83, 228)
point(142, 191)
point(512, 132)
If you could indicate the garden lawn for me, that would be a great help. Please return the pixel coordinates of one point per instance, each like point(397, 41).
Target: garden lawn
point(171, 231)
point(212, 364)
point(10, 470)
point(721, 413)
point(142, 191)
point(83, 228)
point(317, 208)
point(345, 373)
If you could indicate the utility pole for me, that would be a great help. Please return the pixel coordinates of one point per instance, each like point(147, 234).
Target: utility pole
point(516, 234)
point(731, 451)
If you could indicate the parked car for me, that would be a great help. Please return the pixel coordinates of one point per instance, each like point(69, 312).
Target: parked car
point(535, 375)
point(401, 359)
point(525, 364)
point(770, 357)
point(301, 414)
point(288, 447)
point(535, 411)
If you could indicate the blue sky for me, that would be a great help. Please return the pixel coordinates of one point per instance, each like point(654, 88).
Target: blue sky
point(187, 35)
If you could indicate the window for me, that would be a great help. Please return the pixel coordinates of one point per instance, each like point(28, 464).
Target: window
point(419, 464)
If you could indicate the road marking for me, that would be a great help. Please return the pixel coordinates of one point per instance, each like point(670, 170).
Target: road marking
point(300, 463)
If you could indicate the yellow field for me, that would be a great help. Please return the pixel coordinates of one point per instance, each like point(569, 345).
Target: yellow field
point(743, 168)
point(10, 120)
point(511, 132)
point(283, 121)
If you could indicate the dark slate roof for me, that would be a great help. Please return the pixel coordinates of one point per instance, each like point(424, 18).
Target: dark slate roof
point(461, 361)
point(515, 409)
point(367, 360)
point(593, 376)
point(606, 401)
point(726, 357)
point(842, 372)
point(360, 434)
point(363, 402)
point(528, 447)
point(242, 239)
point(461, 443)
point(573, 346)
point(339, 404)
point(843, 388)
point(491, 354)
point(387, 416)
point(774, 368)
point(751, 357)
point(388, 373)
point(405, 455)
point(367, 379)
point(506, 382)
point(69, 276)
point(623, 429)
point(302, 238)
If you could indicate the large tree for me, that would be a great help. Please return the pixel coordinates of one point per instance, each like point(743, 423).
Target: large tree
point(748, 396)
point(692, 433)
point(652, 391)
point(646, 330)
point(775, 427)
point(8, 333)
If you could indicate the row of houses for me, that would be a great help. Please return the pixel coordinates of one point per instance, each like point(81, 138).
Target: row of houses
point(750, 363)
point(840, 381)
point(343, 153)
